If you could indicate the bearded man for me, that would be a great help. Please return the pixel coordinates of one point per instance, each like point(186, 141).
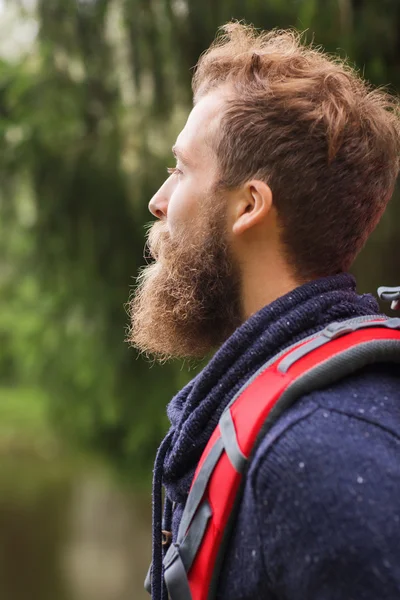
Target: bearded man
point(284, 168)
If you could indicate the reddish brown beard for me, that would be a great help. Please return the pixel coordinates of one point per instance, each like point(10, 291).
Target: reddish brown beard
point(187, 302)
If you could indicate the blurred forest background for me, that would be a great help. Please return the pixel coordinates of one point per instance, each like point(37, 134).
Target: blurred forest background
point(92, 96)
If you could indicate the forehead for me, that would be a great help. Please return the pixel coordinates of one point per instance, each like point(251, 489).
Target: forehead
point(194, 139)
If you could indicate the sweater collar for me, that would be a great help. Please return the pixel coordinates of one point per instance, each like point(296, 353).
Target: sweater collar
point(195, 411)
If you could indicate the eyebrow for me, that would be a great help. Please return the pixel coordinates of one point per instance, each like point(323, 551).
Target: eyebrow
point(181, 155)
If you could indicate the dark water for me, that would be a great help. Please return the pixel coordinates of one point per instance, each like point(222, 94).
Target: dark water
point(70, 533)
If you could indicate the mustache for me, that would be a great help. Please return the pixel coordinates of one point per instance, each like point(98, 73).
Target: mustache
point(156, 238)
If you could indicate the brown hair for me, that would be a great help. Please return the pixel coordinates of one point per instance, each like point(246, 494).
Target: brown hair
point(308, 125)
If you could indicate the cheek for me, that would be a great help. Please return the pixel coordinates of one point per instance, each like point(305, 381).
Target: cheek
point(183, 207)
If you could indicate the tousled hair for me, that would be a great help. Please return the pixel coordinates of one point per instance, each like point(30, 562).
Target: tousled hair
point(307, 124)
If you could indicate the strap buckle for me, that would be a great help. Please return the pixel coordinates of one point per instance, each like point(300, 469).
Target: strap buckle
point(335, 330)
point(166, 537)
point(390, 294)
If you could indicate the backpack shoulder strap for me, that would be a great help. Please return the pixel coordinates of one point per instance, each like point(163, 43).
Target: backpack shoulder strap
point(192, 563)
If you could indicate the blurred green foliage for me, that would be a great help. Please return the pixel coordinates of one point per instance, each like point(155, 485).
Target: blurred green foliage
point(87, 118)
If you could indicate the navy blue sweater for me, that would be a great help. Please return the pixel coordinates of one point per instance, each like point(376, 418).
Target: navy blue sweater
point(320, 515)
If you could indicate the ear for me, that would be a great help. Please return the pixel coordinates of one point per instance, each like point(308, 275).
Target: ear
point(253, 207)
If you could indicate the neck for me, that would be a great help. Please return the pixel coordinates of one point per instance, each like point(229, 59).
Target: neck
point(261, 286)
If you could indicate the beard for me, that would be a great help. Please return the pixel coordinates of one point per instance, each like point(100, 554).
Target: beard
point(187, 303)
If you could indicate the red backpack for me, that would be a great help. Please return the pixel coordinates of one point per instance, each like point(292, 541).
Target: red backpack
point(192, 564)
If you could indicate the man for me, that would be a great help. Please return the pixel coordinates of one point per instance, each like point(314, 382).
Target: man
point(284, 167)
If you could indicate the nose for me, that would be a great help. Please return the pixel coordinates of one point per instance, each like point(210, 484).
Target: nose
point(158, 205)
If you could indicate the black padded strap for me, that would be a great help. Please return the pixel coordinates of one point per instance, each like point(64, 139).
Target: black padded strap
point(274, 359)
point(324, 374)
point(333, 331)
point(199, 487)
point(231, 445)
point(333, 369)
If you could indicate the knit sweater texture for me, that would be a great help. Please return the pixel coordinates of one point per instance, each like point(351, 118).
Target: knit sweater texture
point(320, 514)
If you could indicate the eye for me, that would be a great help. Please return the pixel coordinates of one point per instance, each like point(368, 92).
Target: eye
point(174, 171)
